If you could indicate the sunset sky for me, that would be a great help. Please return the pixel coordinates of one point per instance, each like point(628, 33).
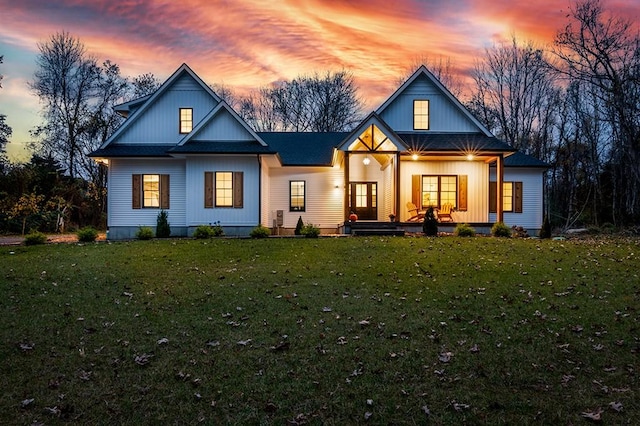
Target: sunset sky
point(250, 43)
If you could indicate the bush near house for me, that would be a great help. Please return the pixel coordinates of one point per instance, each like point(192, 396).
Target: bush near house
point(430, 224)
point(87, 234)
point(260, 232)
point(34, 238)
point(545, 230)
point(310, 231)
point(144, 233)
point(208, 231)
point(299, 226)
point(464, 230)
point(499, 229)
point(163, 229)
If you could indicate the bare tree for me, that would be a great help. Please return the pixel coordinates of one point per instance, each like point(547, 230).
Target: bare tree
point(144, 84)
point(319, 103)
point(65, 82)
point(5, 129)
point(442, 68)
point(602, 52)
point(516, 96)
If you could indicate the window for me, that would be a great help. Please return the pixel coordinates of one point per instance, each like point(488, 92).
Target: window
point(420, 115)
point(150, 191)
point(439, 190)
point(511, 197)
point(186, 120)
point(223, 189)
point(297, 195)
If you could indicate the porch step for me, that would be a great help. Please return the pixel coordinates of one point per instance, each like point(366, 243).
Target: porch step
point(378, 231)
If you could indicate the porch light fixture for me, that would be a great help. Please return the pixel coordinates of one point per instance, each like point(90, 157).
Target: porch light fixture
point(415, 157)
point(469, 157)
point(366, 161)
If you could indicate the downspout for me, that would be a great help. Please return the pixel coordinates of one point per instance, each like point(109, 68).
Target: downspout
point(259, 158)
point(499, 185)
point(346, 185)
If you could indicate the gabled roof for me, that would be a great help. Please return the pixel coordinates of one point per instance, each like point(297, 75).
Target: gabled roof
point(423, 71)
point(131, 150)
point(520, 159)
point(219, 109)
point(373, 118)
point(125, 108)
point(304, 148)
point(184, 69)
point(456, 142)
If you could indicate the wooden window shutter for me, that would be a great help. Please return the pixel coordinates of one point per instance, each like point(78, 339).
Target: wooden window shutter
point(136, 191)
point(416, 190)
point(462, 192)
point(164, 191)
point(517, 197)
point(492, 197)
point(208, 190)
point(237, 190)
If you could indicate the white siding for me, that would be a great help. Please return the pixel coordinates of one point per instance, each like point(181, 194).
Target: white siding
point(324, 202)
point(224, 127)
point(477, 189)
point(120, 211)
point(444, 116)
point(265, 182)
point(532, 198)
point(159, 123)
point(228, 216)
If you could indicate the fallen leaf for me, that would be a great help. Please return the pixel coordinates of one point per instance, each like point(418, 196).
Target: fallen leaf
point(142, 359)
point(595, 416)
point(326, 309)
point(26, 402)
point(426, 410)
point(163, 341)
point(445, 356)
point(616, 406)
point(244, 342)
point(460, 407)
point(367, 415)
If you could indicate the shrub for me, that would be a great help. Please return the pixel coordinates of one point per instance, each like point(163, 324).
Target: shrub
point(260, 232)
point(519, 232)
point(217, 229)
point(87, 234)
point(203, 232)
point(464, 230)
point(430, 224)
point(499, 229)
point(163, 229)
point(35, 237)
point(310, 231)
point(299, 226)
point(545, 231)
point(144, 233)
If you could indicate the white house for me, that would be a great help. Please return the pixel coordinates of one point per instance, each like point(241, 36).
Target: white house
point(184, 150)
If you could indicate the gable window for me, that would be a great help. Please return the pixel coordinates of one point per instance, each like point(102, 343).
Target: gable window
point(511, 197)
point(297, 195)
point(150, 191)
point(223, 189)
point(420, 115)
point(439, 190)
point(186, 120)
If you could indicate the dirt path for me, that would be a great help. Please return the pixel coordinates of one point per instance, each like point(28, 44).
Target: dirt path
point(16, 240)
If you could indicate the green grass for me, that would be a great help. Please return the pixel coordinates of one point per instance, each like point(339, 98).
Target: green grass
point(474, 330)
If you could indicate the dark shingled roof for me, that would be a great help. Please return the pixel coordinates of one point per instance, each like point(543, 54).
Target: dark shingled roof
point(453, 142)
point(520, 159)
point(304, 148)
point(199, 147)
point(132, 150)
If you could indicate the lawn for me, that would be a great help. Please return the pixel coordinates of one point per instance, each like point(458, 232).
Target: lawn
point(321, 331)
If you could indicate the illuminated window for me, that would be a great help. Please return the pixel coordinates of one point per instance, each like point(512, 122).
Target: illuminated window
point(507, 196)
point(439, 190)
point(224, 189)
point(297, 195)
point(420, 115)
point(151, 191)
point(186, 120)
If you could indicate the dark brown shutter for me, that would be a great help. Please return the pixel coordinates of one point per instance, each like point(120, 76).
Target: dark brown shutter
point(164, 191)
point(492, 197)
point(462, 192)
point(517, 197)
point(416, 190)
point(136, 191)
point(237, 190)
point(208, 190)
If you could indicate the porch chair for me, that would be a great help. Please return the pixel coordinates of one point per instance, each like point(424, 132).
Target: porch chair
point(445, 212)
point(415, 215)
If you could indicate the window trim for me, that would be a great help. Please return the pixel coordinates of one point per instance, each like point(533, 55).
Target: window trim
point(211, 190)
point(439, 202)
point(424, 115)
point(215, 189)
point(516, 197)
point(302, 208)
point(138, 191)
point(185, 121)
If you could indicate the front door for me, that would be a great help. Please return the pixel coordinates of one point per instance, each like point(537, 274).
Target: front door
point(364, 200)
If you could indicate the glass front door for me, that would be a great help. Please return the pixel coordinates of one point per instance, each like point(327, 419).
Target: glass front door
point(364, 200)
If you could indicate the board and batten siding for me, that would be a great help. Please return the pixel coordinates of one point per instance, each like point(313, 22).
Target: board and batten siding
point(324, 202)
point(477, 185)
point(248, 215)
point(160, 122)
point(223, 127)
point(120, 211)
point(532, 198)
point(444, 116)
